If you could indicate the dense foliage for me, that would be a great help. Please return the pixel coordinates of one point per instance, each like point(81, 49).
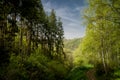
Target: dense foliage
point(31, 42)
point(101, 45)
point(32, 46)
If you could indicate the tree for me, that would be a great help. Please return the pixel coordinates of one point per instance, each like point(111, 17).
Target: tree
point(52, 32)
point(59, 38)
point(102, 32)
point(55, 37)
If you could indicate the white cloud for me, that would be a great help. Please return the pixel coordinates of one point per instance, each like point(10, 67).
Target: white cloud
point(71, 19)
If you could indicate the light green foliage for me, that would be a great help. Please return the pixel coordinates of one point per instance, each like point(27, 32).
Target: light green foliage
point(70, 45)
point(101, 42)
point(80, 58)
point(99, 48)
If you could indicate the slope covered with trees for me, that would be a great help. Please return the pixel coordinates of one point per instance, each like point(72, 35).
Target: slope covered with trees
point(72, 44)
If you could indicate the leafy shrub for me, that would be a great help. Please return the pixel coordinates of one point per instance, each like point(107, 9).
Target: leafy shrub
point(78, 73)
point(15, 70)
point(35, 67)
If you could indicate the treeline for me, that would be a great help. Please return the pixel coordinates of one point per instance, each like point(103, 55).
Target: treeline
point(101, 44)
point(27, 31)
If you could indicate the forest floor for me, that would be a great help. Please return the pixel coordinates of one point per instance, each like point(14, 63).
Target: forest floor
point(91, 74)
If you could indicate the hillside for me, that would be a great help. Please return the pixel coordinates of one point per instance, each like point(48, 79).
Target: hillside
point(72, 44)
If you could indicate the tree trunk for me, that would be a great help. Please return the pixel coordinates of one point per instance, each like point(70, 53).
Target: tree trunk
point(103, 54)
point(29, 40)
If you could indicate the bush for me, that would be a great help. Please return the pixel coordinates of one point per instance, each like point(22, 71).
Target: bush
point(35, 67)
point(78, 73)
point(15, 70)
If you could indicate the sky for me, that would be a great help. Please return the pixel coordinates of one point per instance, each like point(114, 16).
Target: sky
point(71, 12)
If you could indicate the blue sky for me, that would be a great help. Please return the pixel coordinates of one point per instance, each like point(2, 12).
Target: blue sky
point(71, 12)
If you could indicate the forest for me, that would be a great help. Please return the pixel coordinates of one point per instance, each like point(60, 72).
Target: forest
point(33, 46)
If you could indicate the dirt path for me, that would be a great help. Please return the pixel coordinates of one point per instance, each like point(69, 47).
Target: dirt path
point(91, 74)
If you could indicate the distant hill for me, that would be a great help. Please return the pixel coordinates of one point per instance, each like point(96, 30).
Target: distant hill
point(72, 44)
